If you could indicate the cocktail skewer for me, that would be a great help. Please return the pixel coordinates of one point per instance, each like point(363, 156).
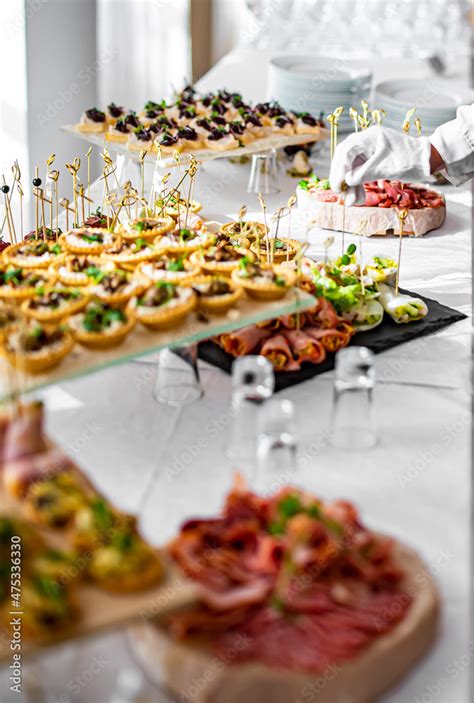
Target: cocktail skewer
point(264, 215)
point(402, 216)
point(36, 184)
point(88, 156)
point(8, 212)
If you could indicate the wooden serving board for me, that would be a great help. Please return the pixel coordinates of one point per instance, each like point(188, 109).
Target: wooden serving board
point(140, 341)
point(100, 610)
point(258, 145)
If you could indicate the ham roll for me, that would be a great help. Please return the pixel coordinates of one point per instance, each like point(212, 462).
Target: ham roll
point(243, 341)
point(305, 347)
point(278, 351)
point(323, 315)
point(331, 339)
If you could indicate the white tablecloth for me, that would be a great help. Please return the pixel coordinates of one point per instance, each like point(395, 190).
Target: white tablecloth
point(168, 464)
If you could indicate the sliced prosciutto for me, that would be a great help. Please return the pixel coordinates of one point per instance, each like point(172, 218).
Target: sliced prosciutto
point(305, 347)
point(303, 583)
point(244, 341)
point(387, 194)
point(278, 351)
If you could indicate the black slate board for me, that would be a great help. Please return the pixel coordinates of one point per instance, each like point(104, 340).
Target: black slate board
point(381, 338)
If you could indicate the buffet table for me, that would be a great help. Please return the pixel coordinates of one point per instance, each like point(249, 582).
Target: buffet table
point(166, 464)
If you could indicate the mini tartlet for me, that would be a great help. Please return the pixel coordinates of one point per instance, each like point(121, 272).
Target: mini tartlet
point(35, 348)
point(94, 240)
point(54, 304)
point(9, 317)
point(78, 269)
point(117, 286)
point(169, 268)
point(221, 258)
point(54, 500)
point(248, 229)
point(100, 326)
point(163, 306)
point(282, 249)
point(183, 241)
point(33, 253)
point(147, 227)
point(264, 281)
point(216, 294)
point(174, 207)
point(19, 284)
point(131, 251)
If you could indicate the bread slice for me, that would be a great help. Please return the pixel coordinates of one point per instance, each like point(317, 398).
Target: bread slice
point(195, 675)
point(369, 221)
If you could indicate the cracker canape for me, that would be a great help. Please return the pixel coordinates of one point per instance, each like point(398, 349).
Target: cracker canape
point(116, 287)
point(113, 113)
point(163, 306)
point(33, 253)
point(221, 258)
point(54, 304)
point(221, 140)
point(141, 138)
point(147, 227)
point(281, 249)
point(92, 120)
point(119, 131)
point(101, 326)
point(216, 294)
point(169, 268)
point(94, 240)
point(18, 284)
point(35, 348)
point(306, 123)
point(183, 241)
point(264, 281)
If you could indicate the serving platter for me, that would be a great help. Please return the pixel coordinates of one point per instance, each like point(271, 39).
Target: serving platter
point(201, 155)
point(140, 342)
point(387, 335)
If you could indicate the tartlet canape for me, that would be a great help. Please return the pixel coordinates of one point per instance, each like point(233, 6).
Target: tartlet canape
point(131, 251)
point(280, 249)
point(126, 564)
point(92, 120)
point(35, 348)
point(100, 326)
point(169, 268)
point(216, 294)
point(55, 500)
point(9, 317)
point(19, 284)
point(117, 286)
point(264, 281)
point(33, 254)
point(78, 269)
point(183, 241)
point(163, 306)
point(147, 227)
point(95, 523)
point(93, 240)
point(54, 304)
point(221, 258)
point(250, 230)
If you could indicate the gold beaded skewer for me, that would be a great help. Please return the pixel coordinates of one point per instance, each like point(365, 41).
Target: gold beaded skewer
point(402, 216)
point(82, 195)
point(36, 185)
point(8, 212)
point(354, 115)
point(20, 195)
point(54, 176)
point(88, 156)
point(73, 169)
point(192, 173)
point(264, 214)
point(44, 200)
point(417, 123)
point(143, 154)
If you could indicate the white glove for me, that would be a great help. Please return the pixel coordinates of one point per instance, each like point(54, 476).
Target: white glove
point(377, 153)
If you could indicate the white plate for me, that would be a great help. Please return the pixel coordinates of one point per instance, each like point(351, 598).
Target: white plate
point(428, 95)
point(319, 71)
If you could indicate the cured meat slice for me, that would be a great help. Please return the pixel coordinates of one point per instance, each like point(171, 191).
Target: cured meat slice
point(244, 341)
point(331, 339)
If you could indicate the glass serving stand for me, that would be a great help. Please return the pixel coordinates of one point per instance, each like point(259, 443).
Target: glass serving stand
point(140, 342)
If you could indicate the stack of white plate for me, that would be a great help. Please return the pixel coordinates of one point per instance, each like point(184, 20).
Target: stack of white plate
point(318, 84)
point(435, 101)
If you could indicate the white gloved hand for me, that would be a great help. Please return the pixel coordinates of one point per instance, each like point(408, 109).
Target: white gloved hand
point(378, 153)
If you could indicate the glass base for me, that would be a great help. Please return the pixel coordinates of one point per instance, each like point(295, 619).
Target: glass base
point(178, 394)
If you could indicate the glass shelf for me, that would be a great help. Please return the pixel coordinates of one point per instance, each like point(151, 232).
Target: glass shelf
point(258, 145)
point(140, 342)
